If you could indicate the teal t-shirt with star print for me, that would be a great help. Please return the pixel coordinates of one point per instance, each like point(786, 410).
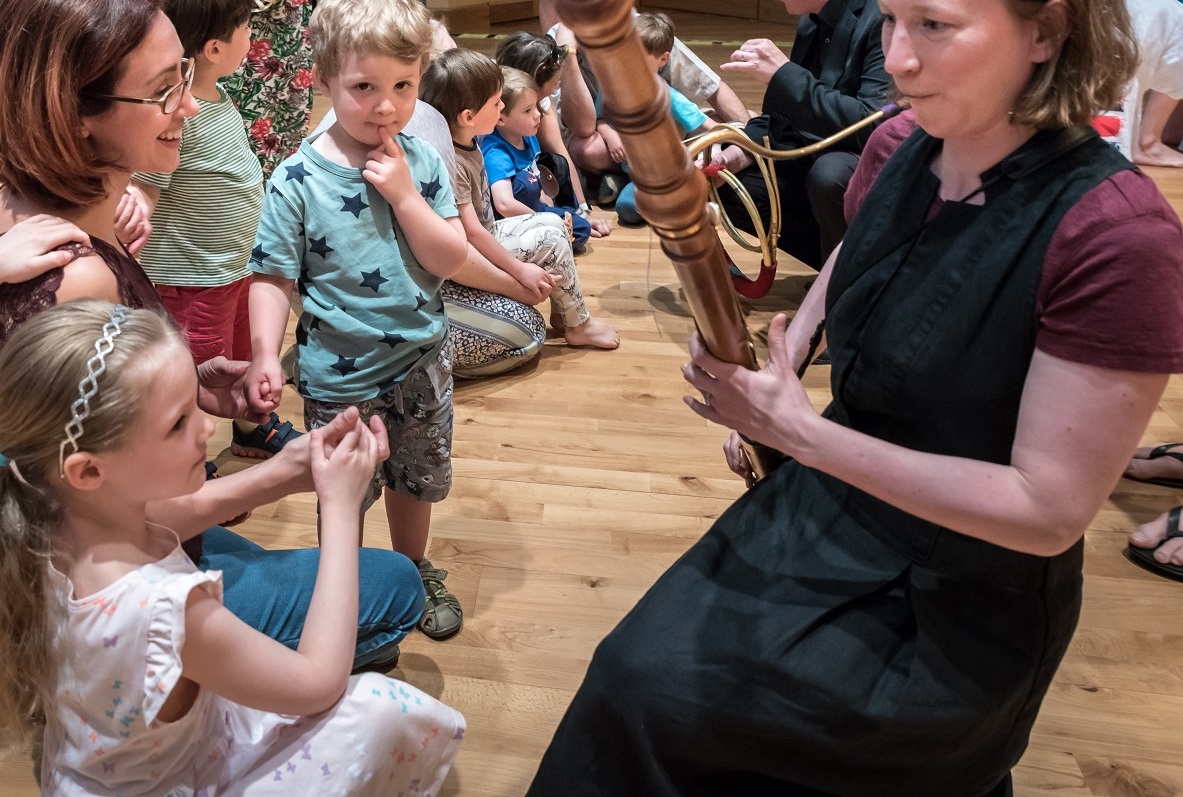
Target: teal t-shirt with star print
point(372, 313)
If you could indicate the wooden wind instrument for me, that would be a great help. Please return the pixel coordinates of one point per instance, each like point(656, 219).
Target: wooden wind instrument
point(671, 193)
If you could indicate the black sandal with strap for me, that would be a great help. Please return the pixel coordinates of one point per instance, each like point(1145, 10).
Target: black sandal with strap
point(1144, 557)
point(1165, 450)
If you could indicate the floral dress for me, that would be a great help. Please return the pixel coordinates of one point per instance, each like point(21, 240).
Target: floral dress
point(273, 87)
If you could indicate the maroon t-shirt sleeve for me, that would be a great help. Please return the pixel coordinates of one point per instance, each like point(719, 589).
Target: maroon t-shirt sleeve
point(1112, 287)
point(1111, 290)
point(883, 142)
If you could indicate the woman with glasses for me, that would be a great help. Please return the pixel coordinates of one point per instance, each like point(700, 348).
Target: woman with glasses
point(95, 92)
point(74, 131)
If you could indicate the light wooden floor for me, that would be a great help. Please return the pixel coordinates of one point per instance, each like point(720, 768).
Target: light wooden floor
point(577, 482)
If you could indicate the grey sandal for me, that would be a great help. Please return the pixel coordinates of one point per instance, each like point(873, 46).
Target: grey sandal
point(442, 616)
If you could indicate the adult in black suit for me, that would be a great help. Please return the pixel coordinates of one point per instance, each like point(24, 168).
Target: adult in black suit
point(833, 78)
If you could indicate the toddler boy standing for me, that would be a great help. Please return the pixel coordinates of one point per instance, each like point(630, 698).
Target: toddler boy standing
point(361, 220)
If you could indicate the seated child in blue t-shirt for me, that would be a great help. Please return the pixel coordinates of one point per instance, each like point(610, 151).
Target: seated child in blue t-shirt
point(534, 249)
point(511, 157)
point(656, 32)
point(361, 220)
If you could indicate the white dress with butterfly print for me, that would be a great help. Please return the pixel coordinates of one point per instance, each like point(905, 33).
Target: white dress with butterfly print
point(124, 644)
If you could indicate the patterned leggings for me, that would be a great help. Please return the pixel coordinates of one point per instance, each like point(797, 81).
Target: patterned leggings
point(492, 334)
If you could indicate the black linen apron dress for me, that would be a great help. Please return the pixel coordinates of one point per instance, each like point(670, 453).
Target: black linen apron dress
point(818, 641)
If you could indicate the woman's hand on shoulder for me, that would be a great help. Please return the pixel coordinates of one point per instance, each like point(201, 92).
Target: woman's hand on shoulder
point(769, 405)
point(30, 247)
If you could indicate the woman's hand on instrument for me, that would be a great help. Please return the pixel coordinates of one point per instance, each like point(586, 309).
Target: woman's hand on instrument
point(737, 459)
point(759, 58)
point(769, 405)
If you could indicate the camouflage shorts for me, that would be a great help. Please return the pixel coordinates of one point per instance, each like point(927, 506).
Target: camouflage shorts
point(418, 416)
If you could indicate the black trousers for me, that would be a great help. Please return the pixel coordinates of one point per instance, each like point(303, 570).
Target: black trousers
point(811, 193)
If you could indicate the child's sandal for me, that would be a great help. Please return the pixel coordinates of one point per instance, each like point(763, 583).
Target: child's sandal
point(264, 441)
point(442, 616)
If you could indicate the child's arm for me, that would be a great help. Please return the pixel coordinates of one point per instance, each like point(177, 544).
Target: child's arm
point(148, 193)
point(286, 473)
point(504, 201)
point(228, 657)
point(438, 243)
point(534, 279)
point(133, 215)
point(30, 247)
point(270, 303)
point(612, 141)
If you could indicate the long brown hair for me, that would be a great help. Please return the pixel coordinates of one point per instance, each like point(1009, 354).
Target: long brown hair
point(40, 370)
point(56, 57)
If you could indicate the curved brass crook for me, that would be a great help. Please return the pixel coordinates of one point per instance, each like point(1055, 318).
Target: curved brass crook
point(732, 133)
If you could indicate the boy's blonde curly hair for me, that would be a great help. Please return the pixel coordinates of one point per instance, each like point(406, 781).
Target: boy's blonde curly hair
point(400, 29)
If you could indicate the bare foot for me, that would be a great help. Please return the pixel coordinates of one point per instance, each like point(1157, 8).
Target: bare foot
point(593, 332)
point(1158, 154)
point(1149, 535)
point(1161, 467)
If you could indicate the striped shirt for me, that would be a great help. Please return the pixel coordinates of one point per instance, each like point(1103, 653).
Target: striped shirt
point(204, 225)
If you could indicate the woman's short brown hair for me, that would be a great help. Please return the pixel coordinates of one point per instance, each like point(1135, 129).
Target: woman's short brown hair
point(459, 80)
point(1091, 71)
point(57, 58)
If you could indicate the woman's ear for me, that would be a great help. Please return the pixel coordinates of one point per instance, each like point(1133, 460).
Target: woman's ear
point(1054, 24)
point(83, 471)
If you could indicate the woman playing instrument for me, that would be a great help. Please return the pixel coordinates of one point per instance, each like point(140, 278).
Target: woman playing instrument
point(883, 614)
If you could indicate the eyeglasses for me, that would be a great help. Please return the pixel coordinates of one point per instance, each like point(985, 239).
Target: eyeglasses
point(170, 100)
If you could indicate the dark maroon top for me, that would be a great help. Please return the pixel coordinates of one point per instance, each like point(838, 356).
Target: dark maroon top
point(1112, 284)
point(21, 301)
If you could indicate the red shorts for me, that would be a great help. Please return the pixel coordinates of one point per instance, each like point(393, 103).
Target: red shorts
point(216, 320)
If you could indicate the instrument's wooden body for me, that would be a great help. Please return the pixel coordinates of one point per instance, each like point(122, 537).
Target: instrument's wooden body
point(671, 193)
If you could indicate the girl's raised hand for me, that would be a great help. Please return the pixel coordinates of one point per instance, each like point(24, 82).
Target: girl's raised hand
point(387, 170)
point(344, 455)
point(30, 247)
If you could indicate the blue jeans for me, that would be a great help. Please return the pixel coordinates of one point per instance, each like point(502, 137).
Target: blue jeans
point(626, 206)
point(271, 590)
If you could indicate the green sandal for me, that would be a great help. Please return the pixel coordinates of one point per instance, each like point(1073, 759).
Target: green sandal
point(442, 615)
